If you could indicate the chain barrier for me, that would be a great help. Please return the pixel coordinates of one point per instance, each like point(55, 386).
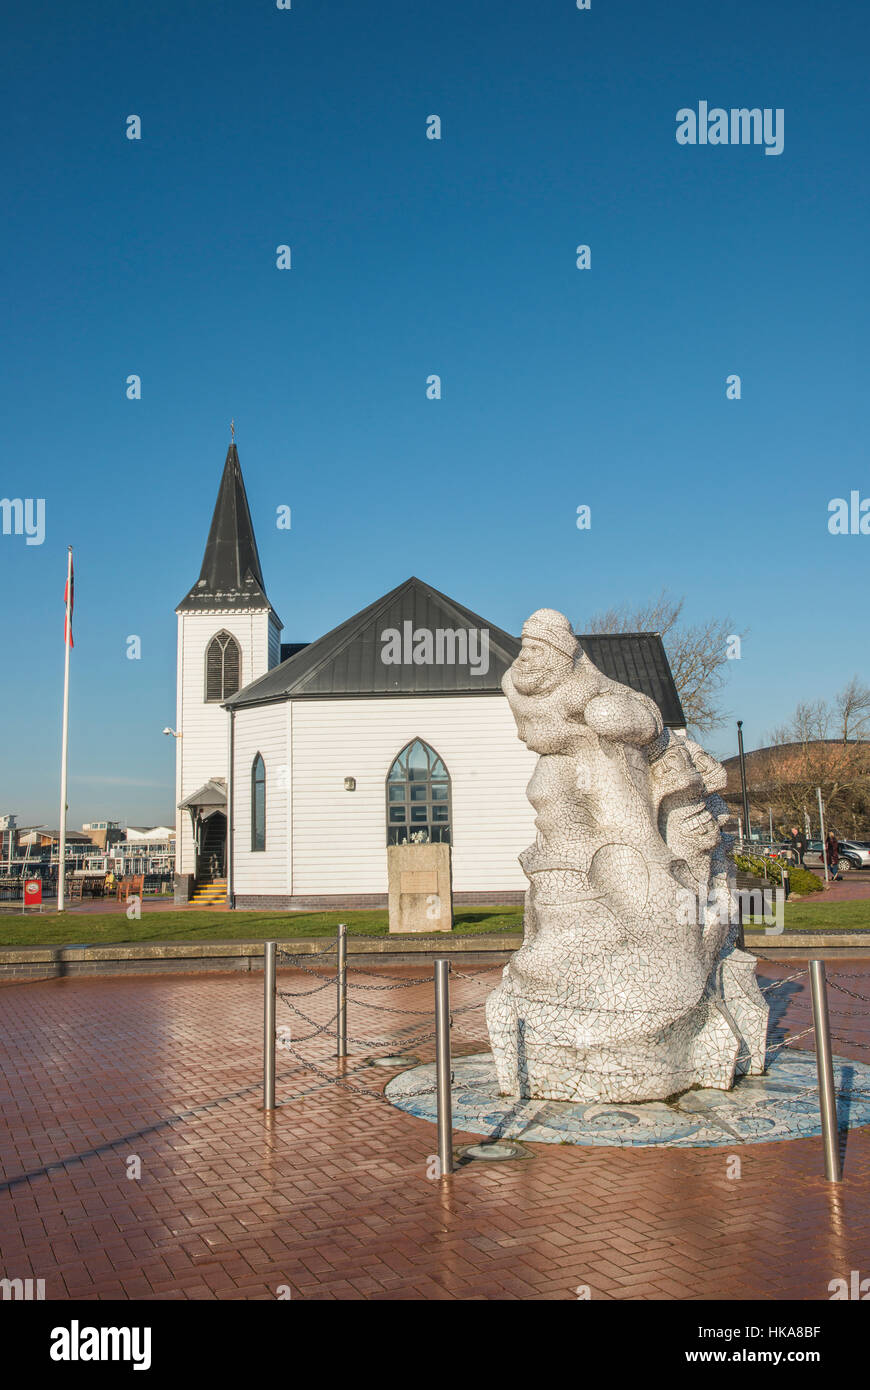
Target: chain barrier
point(787, 1041)
point(289, 959)
point(318, 1028)
point(808, 1093)
point(777, 984)
point(394, 984)
point(401, 1038)
point(392, 1008)
point(485, 970)
point(360, 1042)
point(292, 960)
point(865, 999)
point(850, 1042)
point(295, 962)
point(307, 955)
point(306, 993)
point(348, 1085)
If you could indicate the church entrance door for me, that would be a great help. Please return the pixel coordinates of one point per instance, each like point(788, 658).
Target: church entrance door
point(212, 847)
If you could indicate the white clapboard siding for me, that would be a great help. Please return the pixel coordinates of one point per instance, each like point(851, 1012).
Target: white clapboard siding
point(263, 729)
point(339, 837)
point(201, 752)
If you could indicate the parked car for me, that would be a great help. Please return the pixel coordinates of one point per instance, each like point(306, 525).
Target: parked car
point(857, 852)
point(815, 859)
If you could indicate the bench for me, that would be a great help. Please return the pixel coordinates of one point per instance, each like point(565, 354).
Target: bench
point(132, 887)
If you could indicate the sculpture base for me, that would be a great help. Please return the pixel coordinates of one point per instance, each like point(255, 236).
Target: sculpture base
point(551, 1050)
point(782, 1104)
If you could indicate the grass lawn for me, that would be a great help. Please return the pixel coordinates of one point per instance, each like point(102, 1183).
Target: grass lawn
point(109, 928)
point(811, 915)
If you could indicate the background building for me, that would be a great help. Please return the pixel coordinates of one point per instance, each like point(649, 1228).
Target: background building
point(317, 761)
point(104, 832)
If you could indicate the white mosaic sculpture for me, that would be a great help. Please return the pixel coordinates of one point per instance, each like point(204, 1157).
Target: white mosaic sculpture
point(628, 985)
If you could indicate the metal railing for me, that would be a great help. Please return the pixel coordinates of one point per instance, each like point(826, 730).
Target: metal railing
point(825, 1069)
point(443, 1069)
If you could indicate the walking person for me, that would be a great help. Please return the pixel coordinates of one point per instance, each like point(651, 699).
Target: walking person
point(798, 844)
point(832, 854)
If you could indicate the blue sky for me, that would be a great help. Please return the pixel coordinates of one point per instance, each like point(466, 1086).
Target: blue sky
point(561, 387)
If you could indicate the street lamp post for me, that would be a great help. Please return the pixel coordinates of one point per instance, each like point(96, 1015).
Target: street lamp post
point(822, 833)
point(743, 779)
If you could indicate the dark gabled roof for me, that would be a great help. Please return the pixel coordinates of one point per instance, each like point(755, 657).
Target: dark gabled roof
point(638, 660)
point(347, 661)
point(230, 576)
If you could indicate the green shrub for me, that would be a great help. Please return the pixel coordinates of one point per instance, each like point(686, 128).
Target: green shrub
point(802, 881)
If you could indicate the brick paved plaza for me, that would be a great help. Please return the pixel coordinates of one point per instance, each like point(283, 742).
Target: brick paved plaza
point(329, 1194)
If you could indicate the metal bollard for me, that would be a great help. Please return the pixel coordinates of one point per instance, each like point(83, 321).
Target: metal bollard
point(786, 882)
point(825, 1068)
point(270, 953)
point(341, 986)
point(443, 1070)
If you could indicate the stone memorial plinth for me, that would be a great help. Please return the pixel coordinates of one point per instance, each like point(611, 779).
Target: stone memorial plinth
point(421, 898)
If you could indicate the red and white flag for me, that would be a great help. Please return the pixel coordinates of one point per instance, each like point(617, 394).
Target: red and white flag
point(68, 594)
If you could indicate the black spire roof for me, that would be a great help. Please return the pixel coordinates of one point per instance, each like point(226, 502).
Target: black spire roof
point(230, 576)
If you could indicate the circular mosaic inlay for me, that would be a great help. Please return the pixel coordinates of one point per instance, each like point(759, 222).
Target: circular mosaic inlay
point(782, 1104)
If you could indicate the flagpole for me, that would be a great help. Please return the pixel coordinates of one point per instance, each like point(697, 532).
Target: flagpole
point(67, 633)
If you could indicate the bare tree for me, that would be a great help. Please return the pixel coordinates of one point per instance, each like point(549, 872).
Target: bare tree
point(810, 723)
point(826, 746)
point(853, 710)
point(697, 652)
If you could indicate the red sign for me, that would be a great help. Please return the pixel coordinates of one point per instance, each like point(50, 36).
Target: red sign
point(32, 892)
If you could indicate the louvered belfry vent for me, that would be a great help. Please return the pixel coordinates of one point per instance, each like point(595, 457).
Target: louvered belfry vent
point(222, 667)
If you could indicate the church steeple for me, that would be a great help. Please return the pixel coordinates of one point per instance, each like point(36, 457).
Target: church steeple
point(230, 576)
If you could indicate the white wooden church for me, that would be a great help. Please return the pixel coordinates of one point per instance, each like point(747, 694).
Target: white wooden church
point(297, 765)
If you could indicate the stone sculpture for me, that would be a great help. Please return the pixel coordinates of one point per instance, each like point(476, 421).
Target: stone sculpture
point(629, 985)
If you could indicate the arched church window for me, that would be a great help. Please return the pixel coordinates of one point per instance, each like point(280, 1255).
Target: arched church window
point(223, 665)
point(258, 804)
point(418, 797)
